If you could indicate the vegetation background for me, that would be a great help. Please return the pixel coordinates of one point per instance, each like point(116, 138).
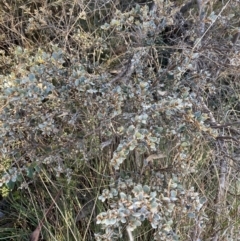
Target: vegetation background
point(119, 120)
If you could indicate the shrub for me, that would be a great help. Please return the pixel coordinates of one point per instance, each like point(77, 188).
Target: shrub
point(133, 96)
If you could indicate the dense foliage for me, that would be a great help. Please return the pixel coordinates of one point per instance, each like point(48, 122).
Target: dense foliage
point(131, 104)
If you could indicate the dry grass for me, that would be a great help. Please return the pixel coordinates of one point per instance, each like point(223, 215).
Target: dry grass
point(170, 62)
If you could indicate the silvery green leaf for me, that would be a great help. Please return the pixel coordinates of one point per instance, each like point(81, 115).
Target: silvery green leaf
point(137, 215)
point(123, 195)
point(114, 191)
point(154, 225)
point(31, 77)
point(130, 129)
point(137, 188)
point(191, 215)
point(170, 206)
point(153, 194)
point(173, 185)
point(203, 200)
point(120, 160)
point(185, 144)
point(137, 223)
point(167, 228)
point(106, 26)
point(56, 55)
point(143, 85)
point(173, 193)
point(41, 126)
point(115, 22)
point(154, 207)
point(197, 114)
point(174, 199)
point(91, 91)
point(156, 217)
point(19, 50)
point(166, 199)
point(153, 139)
point(146, 189)
point(123, 220)
point(77, 81)
point(139, 136)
